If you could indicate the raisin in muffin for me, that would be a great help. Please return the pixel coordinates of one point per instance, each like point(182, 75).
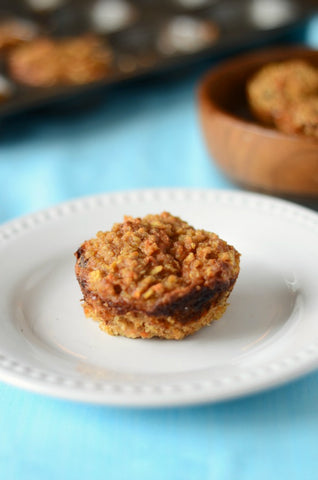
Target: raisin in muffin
point(155, 277)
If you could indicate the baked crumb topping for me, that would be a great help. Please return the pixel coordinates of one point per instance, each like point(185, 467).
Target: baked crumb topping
point(276, 86)
point(152, 259)
point(301, 118)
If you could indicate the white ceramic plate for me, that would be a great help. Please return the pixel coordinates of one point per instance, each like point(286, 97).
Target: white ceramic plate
point(268, 335)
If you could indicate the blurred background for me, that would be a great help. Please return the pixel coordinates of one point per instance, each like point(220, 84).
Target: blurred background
point(100, 95)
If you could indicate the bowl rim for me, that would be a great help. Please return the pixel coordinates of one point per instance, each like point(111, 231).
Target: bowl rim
point(259, 57)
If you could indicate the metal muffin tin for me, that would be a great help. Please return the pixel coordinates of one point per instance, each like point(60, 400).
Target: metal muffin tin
point(145, 36)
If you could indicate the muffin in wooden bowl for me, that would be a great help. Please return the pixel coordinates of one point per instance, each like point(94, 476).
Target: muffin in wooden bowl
point(254, 155)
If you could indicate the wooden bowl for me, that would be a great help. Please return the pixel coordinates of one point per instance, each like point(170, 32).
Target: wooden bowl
point(257, 157)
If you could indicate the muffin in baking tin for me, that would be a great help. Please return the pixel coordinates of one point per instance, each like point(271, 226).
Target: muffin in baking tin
point(72, 61)
point(15, 32)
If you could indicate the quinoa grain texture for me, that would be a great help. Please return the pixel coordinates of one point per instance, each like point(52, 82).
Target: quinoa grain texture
point(155, 277)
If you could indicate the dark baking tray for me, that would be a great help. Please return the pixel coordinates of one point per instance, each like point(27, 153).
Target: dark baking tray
point(140, 45)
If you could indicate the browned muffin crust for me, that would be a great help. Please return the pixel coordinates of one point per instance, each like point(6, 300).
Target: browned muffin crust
point(155, 276)
point(14, 32)
point(301, 118)
point(278, 85)
point(46, 62)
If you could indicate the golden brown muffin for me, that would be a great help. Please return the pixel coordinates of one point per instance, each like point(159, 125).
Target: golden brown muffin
point(301, 118)
point(14, 32)
point(35, 64)
point(83, 60)
point(155, 277)
point(277, 85)
point(73, 61)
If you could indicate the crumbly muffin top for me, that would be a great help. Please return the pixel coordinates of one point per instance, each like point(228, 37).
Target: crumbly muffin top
point(155, 258)
point(278, 84)
point(73, 61)
point(301, 118)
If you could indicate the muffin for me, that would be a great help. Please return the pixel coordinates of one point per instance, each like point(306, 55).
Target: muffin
point(301, 118)
point(28, 64)
point(83, 59)
point(277, 85)
point(72, 61)
point(155, 277)
point(14, 32)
